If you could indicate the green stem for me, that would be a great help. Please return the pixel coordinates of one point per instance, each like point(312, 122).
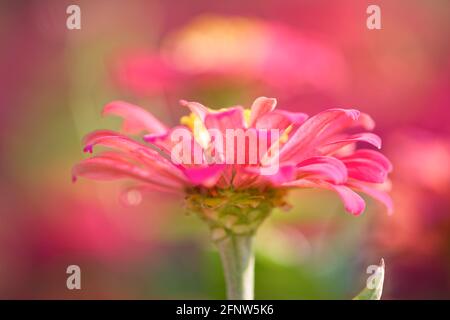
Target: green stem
point(238, 263)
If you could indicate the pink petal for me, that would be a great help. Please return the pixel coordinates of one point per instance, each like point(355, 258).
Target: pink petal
point(231, 118)
point(353, 202)
point(366, 170)
point(365, 121)
point(284, 174)
point(260, 107)
point(343, 143)
point(167, 141)
point(206, 176)
point(368, 137)
point(109, 168)
point(315, 130)
point(371, 155)
point(115, 140)
point(110, 139)
point(327, 168)
point(280, 119)
point(197, 108)
point(120, 156)
point(135, 118)
point(161, 140)
point(139, 152)
point(375, 193)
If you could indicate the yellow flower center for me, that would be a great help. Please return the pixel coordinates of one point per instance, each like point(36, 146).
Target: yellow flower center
point(201, 134)
point(285, 136)
point(247, 113)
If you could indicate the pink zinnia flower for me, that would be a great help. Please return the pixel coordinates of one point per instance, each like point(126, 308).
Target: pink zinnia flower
point(234, 197)
point(313, 153)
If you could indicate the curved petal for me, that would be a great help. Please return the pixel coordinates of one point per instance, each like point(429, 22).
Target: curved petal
point(366, 170)
point(365, 121)
point(109, 168)
point(161, 140)
point(112, 139)
point(315, 130)
point(231, 118)
point(197, 108)
point(277, 177)
point(371, 155)
point(206, 176)
point(353, 202)
point(260, 107)
point(167, 141)
point(368, 137)
point(280, 119)
point(136, 119)
point(142, 154)
point(375, 193)
point(327, 168)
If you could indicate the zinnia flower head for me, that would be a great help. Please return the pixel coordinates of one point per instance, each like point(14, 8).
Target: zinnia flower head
point(236, 196)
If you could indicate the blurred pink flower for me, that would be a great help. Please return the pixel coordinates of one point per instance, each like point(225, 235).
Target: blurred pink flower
point(416, 238)
point(313, 152)
point(237, 49)
point(422, 184)
point(85, 229)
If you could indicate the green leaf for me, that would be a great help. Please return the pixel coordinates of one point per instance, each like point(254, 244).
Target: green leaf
point(374, 286)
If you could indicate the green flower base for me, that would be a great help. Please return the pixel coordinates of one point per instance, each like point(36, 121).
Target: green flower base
point(231, 212)
point(233, 217)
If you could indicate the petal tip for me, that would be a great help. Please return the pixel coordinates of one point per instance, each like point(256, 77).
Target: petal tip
point(88, 149)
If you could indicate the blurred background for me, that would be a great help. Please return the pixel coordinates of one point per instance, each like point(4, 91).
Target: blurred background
point(310, 55)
